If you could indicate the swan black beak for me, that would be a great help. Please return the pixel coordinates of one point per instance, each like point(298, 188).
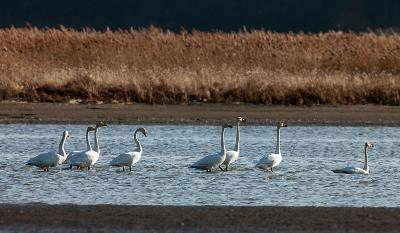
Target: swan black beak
point(284, 125)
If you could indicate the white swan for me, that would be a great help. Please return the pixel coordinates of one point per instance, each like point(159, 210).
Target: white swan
point(88, 158)
point(357, 170)
point(272, 160)
point(52, 158)
point(232, 155)
point(88, 147)
point(130, 158)
point(213, 160)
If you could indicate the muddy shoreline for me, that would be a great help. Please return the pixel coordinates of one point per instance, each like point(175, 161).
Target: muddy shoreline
point(84, 218)
point(349, 115)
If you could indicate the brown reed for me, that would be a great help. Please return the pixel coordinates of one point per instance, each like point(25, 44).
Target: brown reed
point(156, 66)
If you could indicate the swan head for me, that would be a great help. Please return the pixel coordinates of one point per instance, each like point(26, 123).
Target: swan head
point(241, 119)
point(281, 124)
point(143, 131)
point(226, 125)
point(90, 128)
point(66, 134)
point(100, 124)
point(369, 145)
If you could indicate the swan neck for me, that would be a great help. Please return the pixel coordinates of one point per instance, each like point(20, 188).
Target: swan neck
point(366, 159)
point(278, 141)
point(223, 149)
point(237, 146)
point(61, 149)
point(138, 145)
point(88, 146)
point(96, 141)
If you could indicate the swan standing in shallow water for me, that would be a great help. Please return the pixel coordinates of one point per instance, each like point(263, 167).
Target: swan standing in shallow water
point(232, 155)
point(130, 158)
point(213, 160)
point(88, 147)
point(272, 160)
point(88, 158)
point(357, 170)
point(52, 158)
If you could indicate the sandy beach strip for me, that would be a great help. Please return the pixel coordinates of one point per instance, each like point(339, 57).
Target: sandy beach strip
point(12, 112)
point(87, 218)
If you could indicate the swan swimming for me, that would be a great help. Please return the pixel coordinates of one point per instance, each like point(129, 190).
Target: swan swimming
point(272, 160)
point(52, 158)
point(130, 158)
point(88, 147)
point(357, 170)
point(232, 155)
point(88, 158)
point(213, 160)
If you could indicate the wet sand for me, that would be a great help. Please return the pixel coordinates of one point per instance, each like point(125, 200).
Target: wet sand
point(105, 218)
point(11, 112)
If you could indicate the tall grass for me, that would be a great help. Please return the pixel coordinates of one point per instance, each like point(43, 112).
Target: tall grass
point(155, 66)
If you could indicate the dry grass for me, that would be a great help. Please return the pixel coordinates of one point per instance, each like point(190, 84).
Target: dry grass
point(154, 66)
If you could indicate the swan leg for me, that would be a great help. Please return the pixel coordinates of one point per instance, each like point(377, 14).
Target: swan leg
point(219, 168)
point(70, 167)
point(123, 168)
point(272, 170)
point(130, 169)
point(88, 168)
point(226, 168)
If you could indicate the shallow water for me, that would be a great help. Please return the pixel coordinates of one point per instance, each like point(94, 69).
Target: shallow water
point(163, 176)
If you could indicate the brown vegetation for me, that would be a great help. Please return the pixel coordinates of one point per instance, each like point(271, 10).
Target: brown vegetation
point(154, 66)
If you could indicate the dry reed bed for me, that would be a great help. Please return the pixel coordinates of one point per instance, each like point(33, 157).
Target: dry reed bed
point(154, 66)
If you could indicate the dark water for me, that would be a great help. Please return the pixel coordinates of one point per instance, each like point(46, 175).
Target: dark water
point(162, 176)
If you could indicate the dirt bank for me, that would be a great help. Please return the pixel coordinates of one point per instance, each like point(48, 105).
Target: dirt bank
point(68, 218)
point(197, 114)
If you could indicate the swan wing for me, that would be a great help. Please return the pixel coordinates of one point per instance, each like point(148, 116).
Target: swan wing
point(84, 158)
point(126, 159)
point(350, 170)
point(48, 159)
point(269, 161)
point(71, 155)
point(209, 161)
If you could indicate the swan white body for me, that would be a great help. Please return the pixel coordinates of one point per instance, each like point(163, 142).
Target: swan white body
point(214, 160)
point(233, 155)
point(88, 146)
point(51, 158)
point(270, 161)
point(130, 158)
point(88, 158)
point(357, 170)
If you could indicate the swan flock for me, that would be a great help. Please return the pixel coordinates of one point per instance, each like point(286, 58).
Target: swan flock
point(222, 159)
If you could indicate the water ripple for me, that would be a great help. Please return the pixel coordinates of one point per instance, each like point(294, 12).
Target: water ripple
point(163, 176)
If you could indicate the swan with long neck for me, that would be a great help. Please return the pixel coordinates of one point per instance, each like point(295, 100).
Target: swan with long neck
point(88, 158)
point(270, 161)
point(129, 159)
point(214, 160)
point(88, 147)
point(357, 170)
point(52, 158)
point(233, 155)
